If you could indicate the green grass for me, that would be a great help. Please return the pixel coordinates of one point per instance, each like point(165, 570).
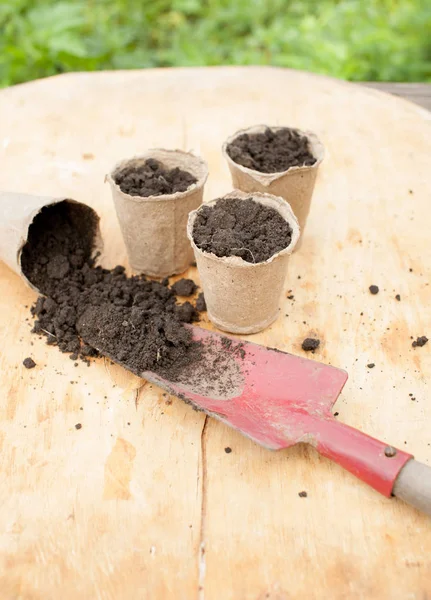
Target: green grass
point(380, 40)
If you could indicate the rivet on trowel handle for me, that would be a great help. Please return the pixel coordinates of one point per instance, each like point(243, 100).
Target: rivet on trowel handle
point(390, 451)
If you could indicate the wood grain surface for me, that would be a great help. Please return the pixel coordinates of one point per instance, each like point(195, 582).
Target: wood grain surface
point(143, 502)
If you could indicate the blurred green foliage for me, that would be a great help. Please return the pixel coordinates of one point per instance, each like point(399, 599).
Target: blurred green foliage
point(380, 40)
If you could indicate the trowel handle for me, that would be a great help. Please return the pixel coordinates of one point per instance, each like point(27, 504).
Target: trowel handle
point(388, 470)
point(413, 485)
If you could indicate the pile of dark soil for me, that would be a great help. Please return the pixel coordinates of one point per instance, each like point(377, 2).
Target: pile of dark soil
point(242, 228)
point(271, 151)
point(138, 320)
point(152, 179)
point(141, 342)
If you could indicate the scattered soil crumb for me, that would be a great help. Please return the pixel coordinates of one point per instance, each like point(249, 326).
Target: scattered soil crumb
point(184, 287)
point(374, 289)
point(201, 305)
point(371, 365)
point(398, 297)
point(243, 228)
point(271, 151)
point(152, 179)
point(78, 426)
point(228, 450)
point(303, 494)
point(310, 344)
point(29, 363)
point(336, 414)
point(420, 341)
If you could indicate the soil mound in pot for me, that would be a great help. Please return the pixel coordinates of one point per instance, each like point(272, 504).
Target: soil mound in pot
point(60, 240)
point(138, 319)
point(243, 228)
point(153, 179)
point(271, 151)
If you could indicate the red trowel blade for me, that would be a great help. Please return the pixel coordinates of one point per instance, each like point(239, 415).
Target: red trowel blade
point(266, 394)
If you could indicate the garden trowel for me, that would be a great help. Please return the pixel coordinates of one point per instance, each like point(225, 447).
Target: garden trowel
point(278, 399)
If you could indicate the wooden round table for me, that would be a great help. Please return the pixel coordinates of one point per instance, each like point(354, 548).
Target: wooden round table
point(144, 501)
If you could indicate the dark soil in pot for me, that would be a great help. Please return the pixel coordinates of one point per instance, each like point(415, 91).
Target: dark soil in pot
point(60, 240)
point(271, 151)
point(243, 228)
point(153, 179)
